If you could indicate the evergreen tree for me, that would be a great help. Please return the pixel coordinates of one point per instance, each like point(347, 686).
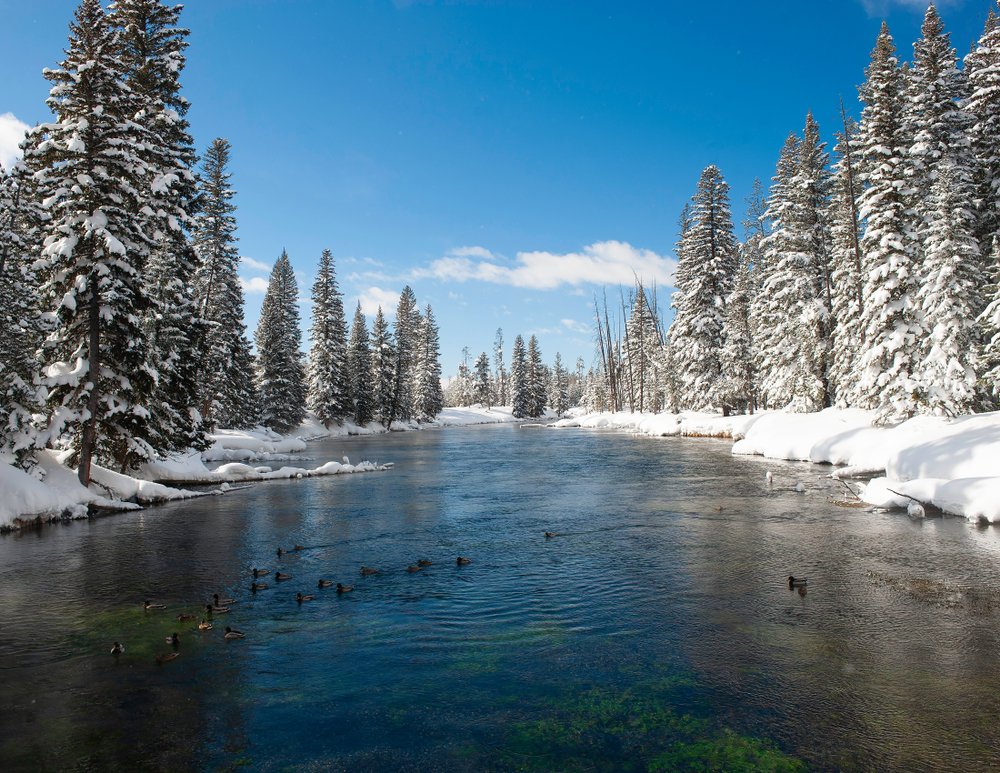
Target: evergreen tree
point(152, 52)
point(536, 379)
point(705, 271)
point(359, 370)
point(982, 67)
point(228, 390)
point(890, 319)
point(500, 370)
point(93, 176)
point(383, 369)
point(328, 382)
point(429, 396)
point(736, 358)
point(845, 261)
point(643, 353)
point(407, 344)
point(989, 322)
point(279, 362)
point(482, 388)
point(559, 387)
point(520, 386)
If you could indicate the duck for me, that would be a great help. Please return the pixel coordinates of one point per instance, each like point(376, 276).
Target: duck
point(222, 602)
point(324, 583)
point(167, 657)
point(256, 586)
point(233, 634)
point(797, 582)
point(344, 588)
point(204, 625)
point(186, 618)
point(413, 568)
point(280, 552)
point(173, 640)
point(147, 606)
point(769, 477)
point(463, 561)
point(117, 649)
point(299, 547)
point(300, 598)
point(215, 610)
point(424, 562)
point(368, 570)
point(261, 572)
point(279, 576)
point(550, 534)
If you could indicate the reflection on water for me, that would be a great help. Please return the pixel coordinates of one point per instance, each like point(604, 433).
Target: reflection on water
point(657, 630)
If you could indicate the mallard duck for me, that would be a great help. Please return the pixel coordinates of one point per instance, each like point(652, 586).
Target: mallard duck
point(147, 606)
point(222, 602)
point(424, 562)
point(368, 570)
point(279, 576)
point(213, 610)
point(299, 547)
point(463, 561)
point(186, 618)
point(414, 568)
point(344, 588)
point(118, 649)
point(167, 657)
point(256, 586)
point(550, 534)
point(233, 634)
point(324, 583)
point(173, 640)
point(204, 625)
point(300, 598)
point(797, 582)
point(280, 552)
point(261, 572)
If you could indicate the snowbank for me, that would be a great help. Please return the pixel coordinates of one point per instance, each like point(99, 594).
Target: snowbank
point(686, 423)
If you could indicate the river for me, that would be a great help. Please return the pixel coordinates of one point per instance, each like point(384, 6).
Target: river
point(656, 630)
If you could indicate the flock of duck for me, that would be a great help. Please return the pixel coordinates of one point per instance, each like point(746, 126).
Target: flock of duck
point(220, 606)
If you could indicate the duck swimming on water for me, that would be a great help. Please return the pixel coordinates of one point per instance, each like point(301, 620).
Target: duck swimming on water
point(279, 576)
point(204, 625)
point(368, 570)
point(118, 649)
point(344, 588)
point(256, 586)
point(797, 582)
point(261, 572)
point(222, 602)
point(233, 634)
point(300, 598)
point(463, 561)
point(147, 606)
point(324, 583)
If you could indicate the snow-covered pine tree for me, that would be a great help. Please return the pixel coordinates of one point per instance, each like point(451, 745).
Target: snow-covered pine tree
point(407, 331)
point(328, 382)
point(536, 378)
point(228, 390)
point(152, 51)
point(982, 68)
point(736, 359)
point(705, 271)
point(989, 322)
point(279, 361)
point(429, 396)
point(383, 369)
point(520, 386)
point(643, 353)
point(482, 388)
point(91, 267)
point(20, 398)
point(845, 262)
point(502, 387)
point(559, 387)
point(359, 370)
point(890, 317)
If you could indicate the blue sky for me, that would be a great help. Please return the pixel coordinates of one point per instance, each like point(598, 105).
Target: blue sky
point(507, 159)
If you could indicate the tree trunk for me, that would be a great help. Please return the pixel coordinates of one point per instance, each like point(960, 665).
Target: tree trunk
point(88, 441)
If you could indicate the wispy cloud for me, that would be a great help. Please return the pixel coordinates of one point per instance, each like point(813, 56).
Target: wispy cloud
point(255, 264)
point(576, 327)
point(373, 297)
point(254, 286)
point(882, 7)
point(610, 262)
point(11, 133)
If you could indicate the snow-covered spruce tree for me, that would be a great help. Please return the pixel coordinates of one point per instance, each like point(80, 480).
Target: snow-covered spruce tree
point(643, 353)
point(383, 369)
point(20, 397)
point(359, 370)
point(152, 52)
point(989, 322)
point(705, 271)
point(328, 382)
point(845, 262)
point(520, 386)
point(736, 359)
point(94, 362)
point(429, 396)
point(407, 331)
point(537, 380)
point(502, 387)
point(559, 387)
point(890, 316)
point(228, 392)
point(461, 388)
point(279, 362)
point(482, 387)
point(982, 69)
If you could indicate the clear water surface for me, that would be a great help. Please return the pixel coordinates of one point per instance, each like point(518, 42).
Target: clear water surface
point(655, 632)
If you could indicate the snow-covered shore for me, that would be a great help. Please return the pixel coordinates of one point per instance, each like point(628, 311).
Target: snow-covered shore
point(952, 464)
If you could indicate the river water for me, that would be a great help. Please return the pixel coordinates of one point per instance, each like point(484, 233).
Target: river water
point(655, 631)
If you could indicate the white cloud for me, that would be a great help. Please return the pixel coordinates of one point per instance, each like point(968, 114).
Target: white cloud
point(373, 297)
point(576, 327)
point(472, 252)
point(254, 286)
point(11, 133)
point(610, 262)
point(882, 7)
point(255, 264)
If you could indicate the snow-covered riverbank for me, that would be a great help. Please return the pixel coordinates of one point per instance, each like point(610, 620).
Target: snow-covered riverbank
point(953, 464)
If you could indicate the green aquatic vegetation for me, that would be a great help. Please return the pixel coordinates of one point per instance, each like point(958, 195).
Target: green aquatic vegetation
point(727, 752)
